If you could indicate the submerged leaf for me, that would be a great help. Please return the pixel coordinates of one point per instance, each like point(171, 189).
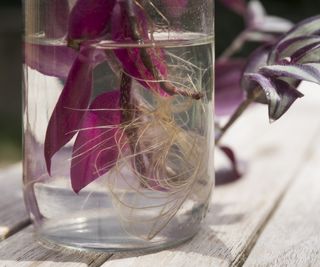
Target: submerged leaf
point(89, 19)
point(96, 149)
point(50, 60)
point(143, 64)
point(74, 96)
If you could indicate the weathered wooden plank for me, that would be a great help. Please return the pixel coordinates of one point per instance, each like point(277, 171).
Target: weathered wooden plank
point(292, 236)
point(21, 250)
point(240, 209)
point(13, 215)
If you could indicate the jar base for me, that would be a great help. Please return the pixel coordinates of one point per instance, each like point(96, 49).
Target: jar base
point(117, 241)
point(81, 224)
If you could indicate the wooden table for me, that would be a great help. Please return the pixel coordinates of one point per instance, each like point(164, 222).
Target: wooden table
point(271, 217)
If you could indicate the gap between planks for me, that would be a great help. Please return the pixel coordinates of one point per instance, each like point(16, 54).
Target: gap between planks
point(241, 259)
point(266, 147)
point(292, 237)
point(21, 250)
point(238, 210)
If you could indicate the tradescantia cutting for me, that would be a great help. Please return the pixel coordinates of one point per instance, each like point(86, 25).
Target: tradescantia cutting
point(271, 75)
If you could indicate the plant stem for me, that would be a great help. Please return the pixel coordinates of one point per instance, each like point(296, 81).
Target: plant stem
point(129, 114)
point(239, 111)
point(235, 46)
point(167, 86)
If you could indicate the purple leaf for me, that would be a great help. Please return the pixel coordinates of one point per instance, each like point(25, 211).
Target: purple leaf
point(279, 94)
point(175, 8)
point(50, 60)
point(89, 19)
point(302, 72)
point(277, 73)
point(138, 62)
point(273, 24)
point(56, 19)
point(255, 13)
point(306, 29)
point(309, 53)
point(95, 150)
point(258, 20)
point(256, 60)
point(75, 95)
point(289, 47)
point(228, 92)
point(232, 174)
point(238, 6)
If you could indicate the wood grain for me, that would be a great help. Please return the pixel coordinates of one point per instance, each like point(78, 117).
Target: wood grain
point(21, 250)
point(292, 236)
point(241, 209)
point(13, 215)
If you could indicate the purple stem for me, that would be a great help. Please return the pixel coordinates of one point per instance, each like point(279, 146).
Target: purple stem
point(239, 111)
point(128, 107)
point(147, 60)
point(129, 112)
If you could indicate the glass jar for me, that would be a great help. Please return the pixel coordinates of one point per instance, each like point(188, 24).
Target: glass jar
point(118, 121)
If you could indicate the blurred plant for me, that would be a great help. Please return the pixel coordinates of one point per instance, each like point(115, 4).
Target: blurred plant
point(272, 73)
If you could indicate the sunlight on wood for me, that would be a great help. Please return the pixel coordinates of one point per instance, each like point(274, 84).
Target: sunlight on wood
point(4, 231)
point(8, 263)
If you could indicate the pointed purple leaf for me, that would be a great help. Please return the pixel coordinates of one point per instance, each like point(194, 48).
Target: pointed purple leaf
point(302, 30)
point(95, 150)
point(89, 19)
point(306, 27)
point(50, 60)
point(256, 60)
point(302, 72)
point(228, 91)
point(309, 53)
point(75, 95)
point(256, 14)
point(279, 94)
point(133, 60)
point(258, 20)
point(272, 24)
point(289, 47)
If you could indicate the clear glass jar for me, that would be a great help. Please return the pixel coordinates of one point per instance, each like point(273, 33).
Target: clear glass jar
point(118, 121)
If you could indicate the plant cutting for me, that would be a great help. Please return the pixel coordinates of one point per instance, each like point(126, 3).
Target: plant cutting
point(126, 141)
point(287, 55)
